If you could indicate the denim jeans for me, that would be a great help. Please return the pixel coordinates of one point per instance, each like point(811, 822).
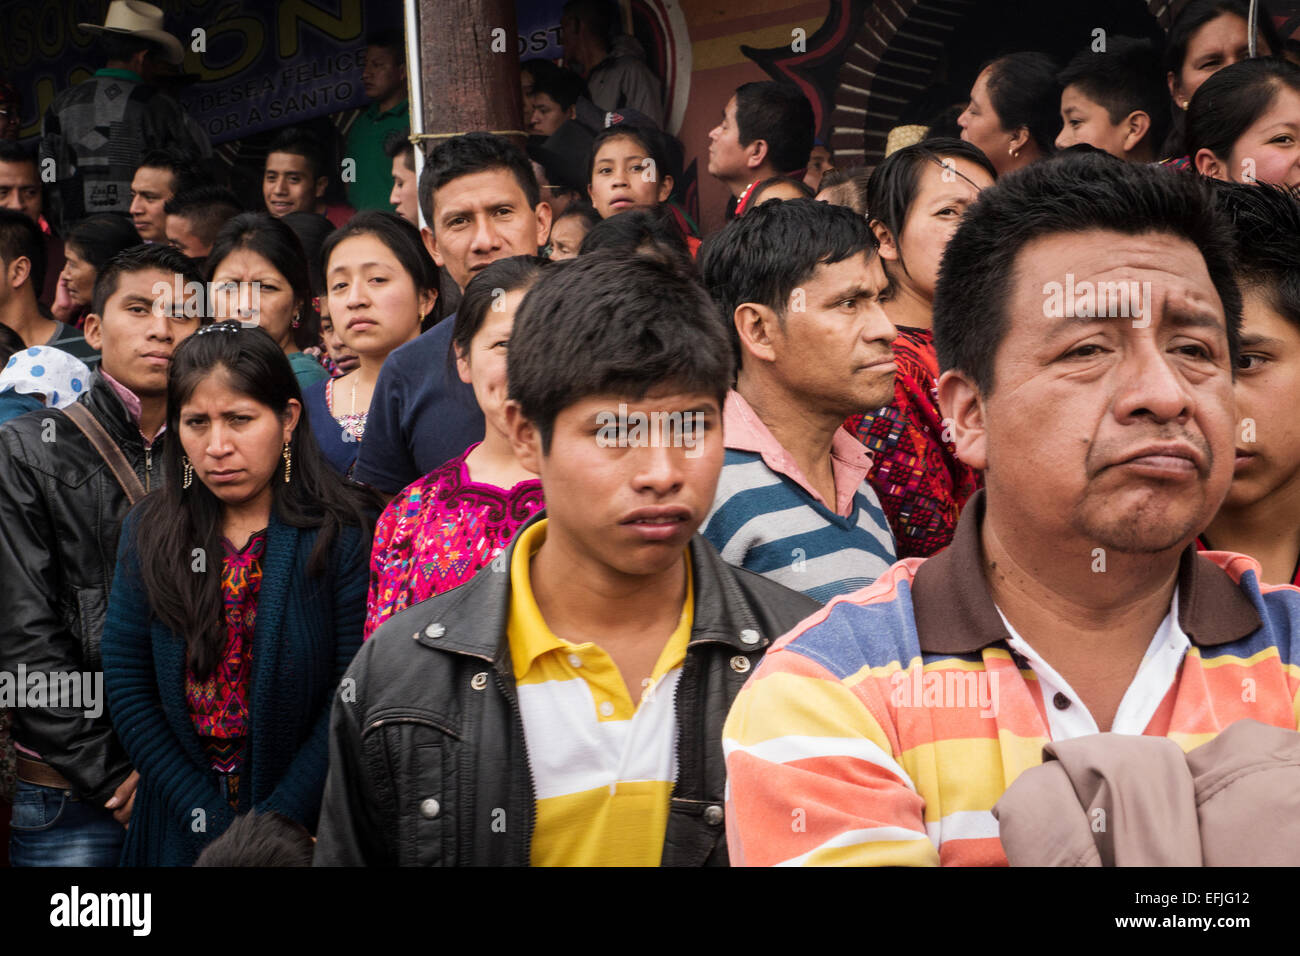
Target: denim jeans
point(49, 828)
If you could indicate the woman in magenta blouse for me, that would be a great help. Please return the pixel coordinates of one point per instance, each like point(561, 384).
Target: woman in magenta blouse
point(439, 531)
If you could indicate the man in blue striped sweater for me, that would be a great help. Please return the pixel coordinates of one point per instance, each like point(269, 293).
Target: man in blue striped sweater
point(799, 283)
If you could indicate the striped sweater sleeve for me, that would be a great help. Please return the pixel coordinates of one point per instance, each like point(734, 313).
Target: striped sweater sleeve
point(811, 776)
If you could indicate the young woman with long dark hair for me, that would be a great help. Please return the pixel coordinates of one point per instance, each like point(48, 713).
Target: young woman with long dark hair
point(237, 605)
point(1243, 122)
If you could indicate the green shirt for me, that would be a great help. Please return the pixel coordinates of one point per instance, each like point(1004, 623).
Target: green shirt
point(374, 172)
point(306, 369)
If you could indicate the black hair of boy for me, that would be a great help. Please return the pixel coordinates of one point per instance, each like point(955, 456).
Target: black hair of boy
point(475, 153)
point(398, 143)
point(206, 208)
point(260, 839)
point(1073, 193)
point(599, 325)
point(638, 231)
point(774, 248)
point(1122, 80)
point(1266, 226)
point(781, 116)
point(297, 141)
point(147, 256)
point(22, 238)
point(185, 171)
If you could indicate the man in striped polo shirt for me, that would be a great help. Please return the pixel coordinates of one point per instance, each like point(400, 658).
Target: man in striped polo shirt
point(799, 284)
point(1072, 601)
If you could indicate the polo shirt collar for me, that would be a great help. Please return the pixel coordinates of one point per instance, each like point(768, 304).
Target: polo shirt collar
point(535, 638)
point(400, 108)
point(955, 614)
point(120, 74)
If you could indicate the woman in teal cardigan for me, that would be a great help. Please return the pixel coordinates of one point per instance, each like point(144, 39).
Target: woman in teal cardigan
point(237, 605)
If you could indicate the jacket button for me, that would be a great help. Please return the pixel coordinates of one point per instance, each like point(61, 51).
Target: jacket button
point(479, 680)
point(749, 636)
point(435, 630)
point(713, 815)
point(429, 808)
point(740, 664)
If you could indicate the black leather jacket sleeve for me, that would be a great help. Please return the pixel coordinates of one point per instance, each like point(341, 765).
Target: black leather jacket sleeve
point(348, 829)
point(34, 632)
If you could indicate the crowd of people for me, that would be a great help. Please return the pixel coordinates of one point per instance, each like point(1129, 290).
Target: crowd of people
point(496, 516)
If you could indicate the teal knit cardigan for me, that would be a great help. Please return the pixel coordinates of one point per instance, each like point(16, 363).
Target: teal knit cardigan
point(306, 634)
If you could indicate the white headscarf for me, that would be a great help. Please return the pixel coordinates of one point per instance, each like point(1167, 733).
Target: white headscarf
point(48, 371)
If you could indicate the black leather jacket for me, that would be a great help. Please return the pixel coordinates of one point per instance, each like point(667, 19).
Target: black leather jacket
point(428, 764)
point(60, 513)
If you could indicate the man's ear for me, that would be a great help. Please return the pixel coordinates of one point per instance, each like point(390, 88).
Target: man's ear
point(888, 247)
point(431, 245)
point(756, 154)
point(321, 183)
point(756, 325)
point(543, 212)
point(524, 438)
point(962, 407)
point(1136, 126)
point(93, 330)
point(1020, 140)
point(1210, 166)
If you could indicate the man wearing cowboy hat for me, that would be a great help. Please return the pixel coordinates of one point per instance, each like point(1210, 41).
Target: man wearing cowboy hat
point(97, 130)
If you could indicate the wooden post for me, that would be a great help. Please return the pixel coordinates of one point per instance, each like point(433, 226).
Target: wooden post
point(469, 68)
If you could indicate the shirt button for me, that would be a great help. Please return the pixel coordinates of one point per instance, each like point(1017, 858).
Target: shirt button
point(1061, 701)
point(713, 815)
point(575, 660)
point(606, 708)
point(749, 636)
point(429, 808)
point(740, 664)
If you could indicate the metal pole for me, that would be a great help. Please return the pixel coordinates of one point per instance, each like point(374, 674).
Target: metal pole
point(415, 92)
point(1252, 26)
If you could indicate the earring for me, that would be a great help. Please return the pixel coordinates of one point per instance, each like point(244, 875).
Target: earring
point(288, 462)
point(1186, 103)
point(297, 321)
point(187, 472)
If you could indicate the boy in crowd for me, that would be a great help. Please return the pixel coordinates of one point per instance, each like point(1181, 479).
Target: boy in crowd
point(1115, 101)
point(1261, 515)
point(553, 100)
point(766, 131)
point(384, 81)
point(580, 687)
point(799, 283)
point(1072, 600)
point(61, 507)
point(161, 175)
point(405, 195)
point(195, 216)
point(481, 200)
point(296, 177)
point(22, 259)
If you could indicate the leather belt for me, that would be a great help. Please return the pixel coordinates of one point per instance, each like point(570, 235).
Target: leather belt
point(41, 774)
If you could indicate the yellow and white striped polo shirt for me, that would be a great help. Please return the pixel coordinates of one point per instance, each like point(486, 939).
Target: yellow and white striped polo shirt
point(603, 767)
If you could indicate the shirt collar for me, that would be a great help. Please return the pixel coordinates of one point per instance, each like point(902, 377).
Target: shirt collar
point(376, 113)
point(131, 402)
point(529, 636)
point(955, 613)
point(120, 74)
point(743, 430)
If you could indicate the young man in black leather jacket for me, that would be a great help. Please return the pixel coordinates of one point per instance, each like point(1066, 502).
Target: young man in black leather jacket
point(61, 508)
point(493, 724)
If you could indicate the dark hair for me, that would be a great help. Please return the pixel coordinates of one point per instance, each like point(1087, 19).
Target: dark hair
point(207, 208)
point(10, 344)
point(850, 187)
point(398, 143)
point(766, 184)
point(174, 520)
point(595, 15)
point(563, 86)
point(298, 141)
point(394, 41)
point(1266, 227)
point(311, 228)
point(185, 172)
point(400, 237)
point(138, 259)
point(636, 231)
point(944, 123)
point(99, 238)
point(764, 255)
point(260, 839)
point(1074, 193)
point(13, 152)
point(475, 153)
point(781, 116)
point(1198, 13)
point(1024, 92)
point(607, 314)
point(650, 140)
point(121, 46)
point(1227, 103)
point(893, 185)
point(499, 278)
point(20, 237)
point(579, 210)
point(275, 242)
point(1123, 79)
